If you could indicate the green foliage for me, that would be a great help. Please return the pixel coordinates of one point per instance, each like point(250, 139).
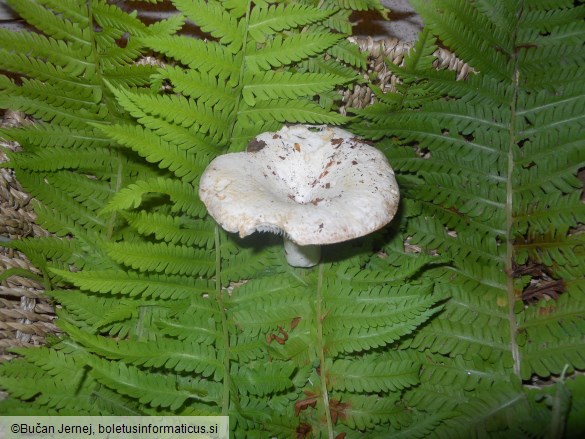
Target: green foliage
point(164, 313)
point(490, 165)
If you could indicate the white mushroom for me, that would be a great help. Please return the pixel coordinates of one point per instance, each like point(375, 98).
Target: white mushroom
point(315, 185)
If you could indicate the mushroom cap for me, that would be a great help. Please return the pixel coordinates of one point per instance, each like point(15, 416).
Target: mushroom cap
point(316, 185)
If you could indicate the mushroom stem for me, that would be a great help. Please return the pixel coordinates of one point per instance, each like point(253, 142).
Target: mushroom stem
point(301, 255)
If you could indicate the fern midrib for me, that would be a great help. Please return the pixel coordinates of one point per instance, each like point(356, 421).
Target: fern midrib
point(509, 264)
point(225, 332)
point(107, 98)
point(539, 108)
point(547, 127)
point(319, 318)
point(243, 69)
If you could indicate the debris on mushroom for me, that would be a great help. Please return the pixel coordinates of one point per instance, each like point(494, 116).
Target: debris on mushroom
point(313, 184)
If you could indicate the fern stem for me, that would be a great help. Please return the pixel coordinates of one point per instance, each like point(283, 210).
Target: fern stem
point(226, 336)
point(242, 73)
point(117, 186)
point(320, 314)
point(107, 99)
point(510, 217)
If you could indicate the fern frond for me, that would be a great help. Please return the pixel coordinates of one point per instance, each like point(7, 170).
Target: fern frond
point(197, 325)
point(261, 379)
point(129, 76)
point(57, 158)
point(457, 339)
point(180, 356)
point(162, 258)
point(495, 411)
point(248, 263)
point(42, 136)
point(281, 303)
point(384, 272)
point(364, 339)
point(548, 336)
point(494, 177)
point(363, 375)
point(112, 17)
point(207, 57)
point(68, 58)
point(276, 85)
point(265, 21)
point(471, 35)
point(199, 85)
point(55, 25)
point(177, 110)
point(165, 313)
point(60, 377)
point(153, 389)
point(86, 311)
point(23, 372)
point(377, 308)
point(213, 18)
point(110, 403)
point(329, 66)
point(156, 149)
point(360, 5)
point(41, 250)
point(173, 229)
point(423, 425)
point(55, 199)
point(132, 284)
point(295, 48)
point(301, 111)
point(40, 106)
point(87, 191)
point(348, 53)
point(182, 194)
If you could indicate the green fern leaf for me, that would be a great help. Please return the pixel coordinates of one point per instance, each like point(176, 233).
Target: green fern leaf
point(364, 412)
point(162, 257)
point(121, 282)
point(166, 314)
point(181, 356)
point(287, 293)
point(495, 188)
point(363, 339)
point(302, 111)
point(156, 149)
point(190, 114)
point(213, 18)
point(273, 85)
point(367, 376)
point(199, 85)
point(360, 5)
point(155, 390)
point(55, 25)
point(198, 325)
point(68, 58)
point(349, 53)
point(210, 58)
point(43, 136)
point(58, 200)
point(292, 49)
point(263, 379)
point(173, 229)
point(182, 194)
point(86, 311)
point(265, 21)
point(44, 249)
